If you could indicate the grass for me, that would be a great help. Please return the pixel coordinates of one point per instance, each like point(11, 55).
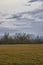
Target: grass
point(30, 54)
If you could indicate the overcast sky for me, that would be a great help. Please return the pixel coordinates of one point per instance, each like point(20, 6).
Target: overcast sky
point(21, 16)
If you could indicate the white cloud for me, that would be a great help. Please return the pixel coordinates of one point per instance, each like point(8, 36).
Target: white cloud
point(17, 5)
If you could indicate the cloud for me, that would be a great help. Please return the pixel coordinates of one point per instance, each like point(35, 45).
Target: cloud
point(28, 21)
point(14, 16)
point(23, 19)
point(34, 1)
point(35, 15)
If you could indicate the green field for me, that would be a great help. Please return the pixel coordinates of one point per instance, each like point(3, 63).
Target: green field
point(30, 54)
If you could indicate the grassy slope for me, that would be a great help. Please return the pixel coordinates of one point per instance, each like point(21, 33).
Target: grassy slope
point(21, 54)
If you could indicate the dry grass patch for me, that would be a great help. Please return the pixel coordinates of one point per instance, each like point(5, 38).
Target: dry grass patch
point(30, 54)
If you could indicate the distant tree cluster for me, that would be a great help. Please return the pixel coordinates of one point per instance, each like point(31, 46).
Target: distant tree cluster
point(20, 38)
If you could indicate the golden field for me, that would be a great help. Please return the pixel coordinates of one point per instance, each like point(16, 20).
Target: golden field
point(21, 54)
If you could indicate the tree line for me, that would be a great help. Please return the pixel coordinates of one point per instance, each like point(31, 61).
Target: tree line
point(20, 38)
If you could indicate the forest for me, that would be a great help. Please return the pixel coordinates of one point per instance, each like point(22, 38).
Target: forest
point(20, 38)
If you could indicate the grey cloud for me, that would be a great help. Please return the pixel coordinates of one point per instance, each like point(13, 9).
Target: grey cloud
point(27, 4)
point(26, 25)
point(14, 16)
point(40, 16)
point(38, 13)
point(34, 1)
point(1, 22)
point(35, 14)
point(21, 16)
point(19, 24)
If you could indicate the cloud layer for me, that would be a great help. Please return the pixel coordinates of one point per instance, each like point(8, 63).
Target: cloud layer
point(34, 1)
point(28, 19)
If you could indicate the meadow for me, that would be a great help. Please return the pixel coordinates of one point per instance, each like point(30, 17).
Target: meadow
point(21, 54)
